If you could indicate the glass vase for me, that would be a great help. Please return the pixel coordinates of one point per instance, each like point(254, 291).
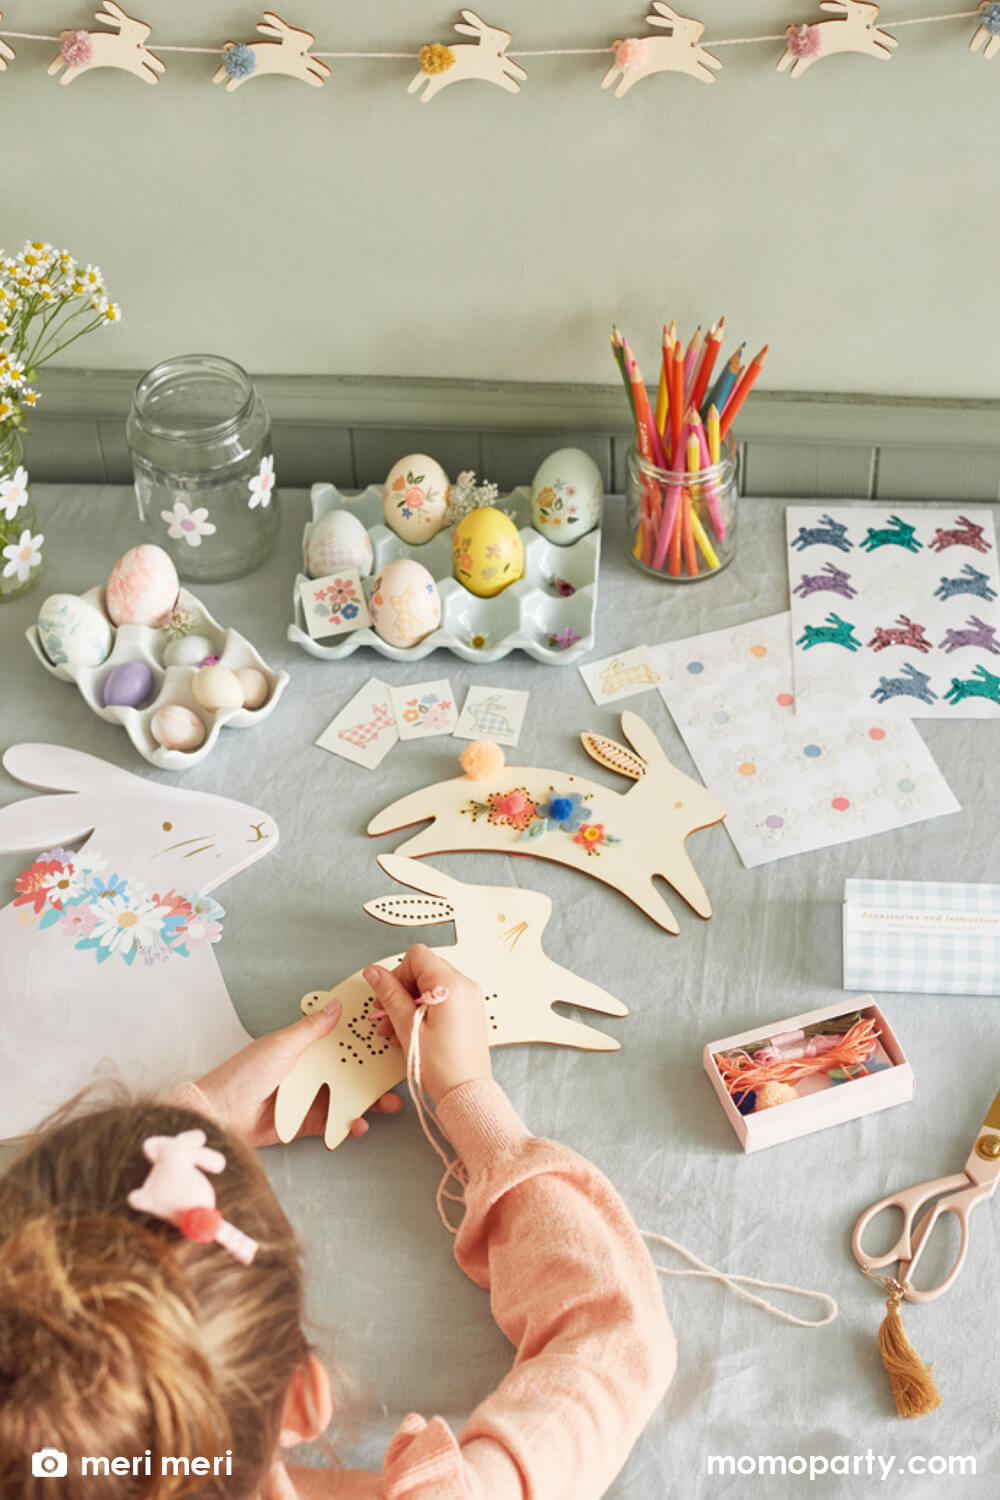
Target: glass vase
point(21, 543)
point(200, 439)
point(682, 525)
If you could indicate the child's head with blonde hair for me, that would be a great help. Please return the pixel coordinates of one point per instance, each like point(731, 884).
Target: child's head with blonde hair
point(118, 1335)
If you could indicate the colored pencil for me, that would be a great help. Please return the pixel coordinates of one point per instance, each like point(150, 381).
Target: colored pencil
point(727, 379)
point(711, 492)
point(662, 392)
point(709, 354)
point(742, 391)
point(690, 362)
point(701, 537)
point(712, 432)
point(650, 445)
point(616, 349)
point(677, 405)
point(690, 555)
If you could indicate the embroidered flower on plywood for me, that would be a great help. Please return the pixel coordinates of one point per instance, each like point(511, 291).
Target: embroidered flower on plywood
point(261, 486)
point(591, 836)
point(514, 809)
point(565, 810)
point(185, 525)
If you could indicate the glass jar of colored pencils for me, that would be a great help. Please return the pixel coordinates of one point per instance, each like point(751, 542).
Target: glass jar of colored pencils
point(682, 526)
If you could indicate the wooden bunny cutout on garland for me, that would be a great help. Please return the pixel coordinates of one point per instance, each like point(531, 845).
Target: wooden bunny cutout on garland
point(106, 950)
point(7, 54)
point(288, 54)
point(986, 37)
point(677, 52)
point(485, 60)
point(854, 30)
point(498, 942)
point(124, 47)
point(624, 841)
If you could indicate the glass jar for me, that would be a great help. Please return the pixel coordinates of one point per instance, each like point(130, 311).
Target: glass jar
point(681, 526)
point(21, 562)
point(200, 439)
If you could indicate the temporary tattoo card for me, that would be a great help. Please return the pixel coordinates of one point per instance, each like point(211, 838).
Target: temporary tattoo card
point(335, 604)
point(424, 709)
point(492, 714)
point(791, 781)
point(621, 675)
point(895, 607)
point(365, 729)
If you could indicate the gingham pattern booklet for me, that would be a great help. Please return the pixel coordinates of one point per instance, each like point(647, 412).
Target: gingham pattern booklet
point(922, 936)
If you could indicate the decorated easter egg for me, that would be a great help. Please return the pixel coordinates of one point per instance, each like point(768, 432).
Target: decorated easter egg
point(256, 689)
point(217, 687)
point(567, 495)
point(487, 553)
point(187, 650)
point(405, 604)
point(177, 728)
point(142, 588)
point(128, 685)
point(73, 632)
point(415, 497)
point(338, 540)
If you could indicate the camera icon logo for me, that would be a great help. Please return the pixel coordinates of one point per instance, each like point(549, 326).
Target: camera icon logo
point(48, 1463)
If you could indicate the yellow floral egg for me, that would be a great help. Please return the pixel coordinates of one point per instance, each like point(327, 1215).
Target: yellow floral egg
point(487, 553)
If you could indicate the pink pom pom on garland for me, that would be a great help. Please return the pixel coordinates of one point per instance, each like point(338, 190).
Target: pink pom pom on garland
point(77, 48)
point(630, 54)
point(805, 41)
point(482, 760)
point(770, 1094)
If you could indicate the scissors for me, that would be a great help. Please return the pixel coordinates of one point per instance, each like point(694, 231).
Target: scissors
point(956, 1194)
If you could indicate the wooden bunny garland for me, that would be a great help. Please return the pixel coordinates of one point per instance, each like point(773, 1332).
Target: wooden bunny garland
point(624, 841)
point(7, 54)
point(986, 37)
point(288, 54)
point(677, 52)
point(854, 30)
point(498, 942)
point(106, 950)
point(484, 59)
point(124, 46)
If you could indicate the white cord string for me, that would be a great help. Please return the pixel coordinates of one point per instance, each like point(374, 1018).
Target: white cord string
point(737, 1283)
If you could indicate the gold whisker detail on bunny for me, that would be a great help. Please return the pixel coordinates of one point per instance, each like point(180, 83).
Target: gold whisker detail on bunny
point(520, 982)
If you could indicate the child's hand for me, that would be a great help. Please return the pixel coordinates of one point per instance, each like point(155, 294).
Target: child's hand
point(242, 1090)
point(453, 1046)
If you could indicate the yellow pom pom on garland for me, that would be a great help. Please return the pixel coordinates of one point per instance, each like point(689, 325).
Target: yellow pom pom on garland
point(436, 58)
point(482, 759)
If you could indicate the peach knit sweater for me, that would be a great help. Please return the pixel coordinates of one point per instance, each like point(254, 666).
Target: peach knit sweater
point(572, 1286)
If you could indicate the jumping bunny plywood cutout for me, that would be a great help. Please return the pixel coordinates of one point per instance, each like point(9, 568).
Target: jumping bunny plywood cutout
point(854, 30)
point(987, 34)
point(7, 54)
point(485, 60)
point(623, 841)
point(123, 47)
point(288, 54)
point(498, 942)
point(106, 951)
point(677, 52)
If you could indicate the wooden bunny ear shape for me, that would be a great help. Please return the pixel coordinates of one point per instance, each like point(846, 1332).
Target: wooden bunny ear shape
point(288, 54)
point(7, 54)
point(854, 30)
point(484, 60)
point(57, 768)
point(410, 910)
point(677, 52)
point(987, 34)
point(122, 47)
point(612, 755)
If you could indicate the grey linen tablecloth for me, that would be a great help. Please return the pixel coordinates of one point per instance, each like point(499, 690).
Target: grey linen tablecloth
point(385, 1294)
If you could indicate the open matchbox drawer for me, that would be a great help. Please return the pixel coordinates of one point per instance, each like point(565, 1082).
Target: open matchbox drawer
point(825, 1106)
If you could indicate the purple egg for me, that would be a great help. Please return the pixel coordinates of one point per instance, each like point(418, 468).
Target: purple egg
point(128, 686)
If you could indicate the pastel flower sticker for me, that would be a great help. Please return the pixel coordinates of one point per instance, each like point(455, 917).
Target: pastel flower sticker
point(23, 555)
point(261, 485)
point(184, 525)
point(14, 492)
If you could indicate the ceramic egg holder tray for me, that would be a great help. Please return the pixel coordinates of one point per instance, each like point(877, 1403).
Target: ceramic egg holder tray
point(521, 618)
point(171, 684)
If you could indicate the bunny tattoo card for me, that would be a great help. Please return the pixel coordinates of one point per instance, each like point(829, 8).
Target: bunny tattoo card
point(492, 714)
point(365, 729)
point(107, 951)
point(621, 676)
point(792, 781)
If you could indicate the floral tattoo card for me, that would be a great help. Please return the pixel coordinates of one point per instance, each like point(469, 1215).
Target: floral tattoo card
point(895, 608)
point(492, 714)
point(365, 729)
point(333, 605)
point(425, 709)
point(791, 781)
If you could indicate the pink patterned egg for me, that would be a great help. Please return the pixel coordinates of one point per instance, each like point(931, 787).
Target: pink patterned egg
point(142, 588)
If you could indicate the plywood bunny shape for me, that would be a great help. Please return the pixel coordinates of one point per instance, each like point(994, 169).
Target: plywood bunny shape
point(854, 30)
point(498, 942)
point(7, 54)
point(124, 47)
point(484, 60)
point(677, 52)
point(986, 36)
point(106, 951)
point(288, 55)
point(624, 841)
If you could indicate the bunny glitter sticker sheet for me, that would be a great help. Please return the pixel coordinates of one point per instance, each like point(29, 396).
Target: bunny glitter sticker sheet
point(791, 781)
point(895, 608)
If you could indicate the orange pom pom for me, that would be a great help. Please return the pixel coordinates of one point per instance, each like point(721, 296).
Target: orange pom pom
point(770, 1094)
point(482, 759)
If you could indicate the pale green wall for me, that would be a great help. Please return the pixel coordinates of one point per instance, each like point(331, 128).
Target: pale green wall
point(846, 217)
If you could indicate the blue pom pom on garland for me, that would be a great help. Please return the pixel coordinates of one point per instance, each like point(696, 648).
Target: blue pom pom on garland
point(990, 18)
point(239, 60)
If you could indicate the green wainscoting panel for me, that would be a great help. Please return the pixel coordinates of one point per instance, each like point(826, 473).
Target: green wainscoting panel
point(919, 474)
point(816, 469)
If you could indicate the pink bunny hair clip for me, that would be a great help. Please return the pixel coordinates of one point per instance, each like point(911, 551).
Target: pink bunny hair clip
point(178, 1192)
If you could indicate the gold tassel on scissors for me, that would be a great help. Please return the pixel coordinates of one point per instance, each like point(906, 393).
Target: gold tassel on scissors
point(912, 1383)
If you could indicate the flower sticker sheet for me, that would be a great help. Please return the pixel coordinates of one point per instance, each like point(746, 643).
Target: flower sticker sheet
point(365, 729)
point(492, 714)
point(335, 604)
point(424, 709)
point(895, 607)
point(792, 781)
point(620, 676)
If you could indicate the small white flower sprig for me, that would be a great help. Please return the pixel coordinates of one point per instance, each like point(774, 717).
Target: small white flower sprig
point(47, 302)
point(467, 495)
